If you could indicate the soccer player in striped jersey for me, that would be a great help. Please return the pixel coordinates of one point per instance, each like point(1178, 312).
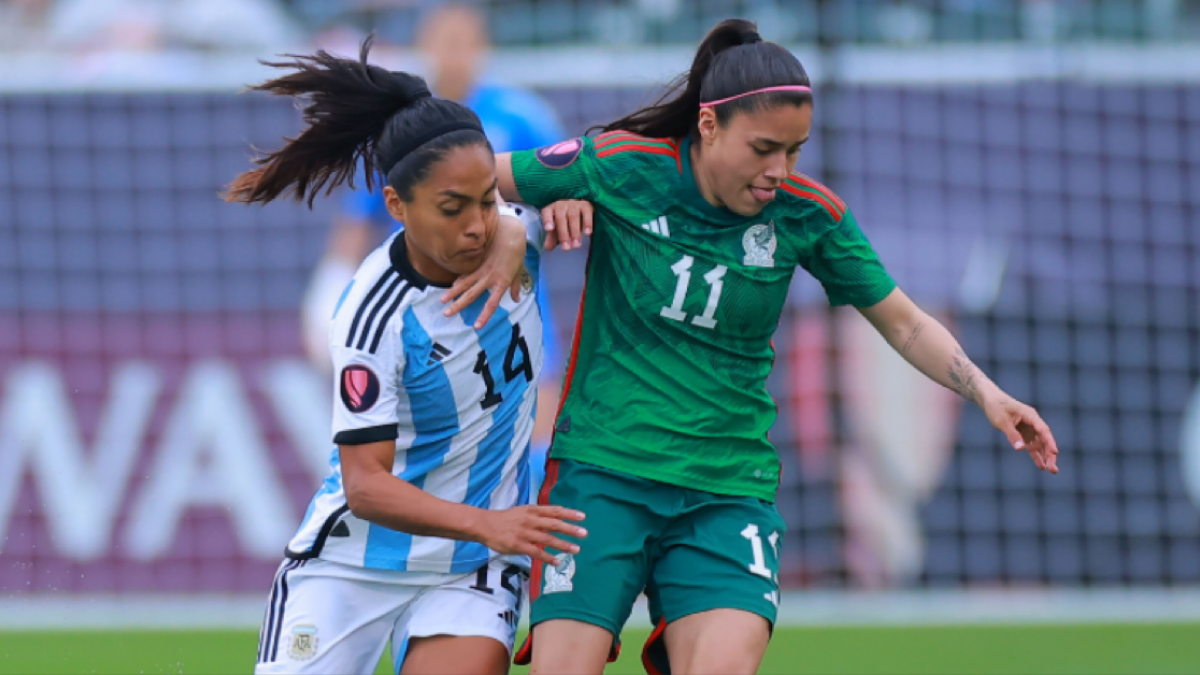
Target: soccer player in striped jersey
point(420, 534)
point(661, 435)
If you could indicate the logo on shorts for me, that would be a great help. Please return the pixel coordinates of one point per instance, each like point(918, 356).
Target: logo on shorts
point(759, 242)
point(304, 643)
point(558, 578)
point(526, 280)
point(560, 155)
point(360, 388)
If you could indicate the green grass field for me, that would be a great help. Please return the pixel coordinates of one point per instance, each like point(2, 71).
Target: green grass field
point(1138, 648)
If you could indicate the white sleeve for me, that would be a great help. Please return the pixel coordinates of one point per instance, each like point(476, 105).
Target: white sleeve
point(368, 386)
point(531, 218)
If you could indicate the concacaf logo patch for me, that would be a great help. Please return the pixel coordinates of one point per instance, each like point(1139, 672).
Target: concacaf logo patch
point(359, 388)
point(560, 155)
point(303, 643)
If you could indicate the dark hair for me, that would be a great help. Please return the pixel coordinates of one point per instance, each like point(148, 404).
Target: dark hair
point(733, 59)
point(355, 114)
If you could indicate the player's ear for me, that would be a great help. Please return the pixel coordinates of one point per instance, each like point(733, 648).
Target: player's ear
point(707, 125)
point(395, 205)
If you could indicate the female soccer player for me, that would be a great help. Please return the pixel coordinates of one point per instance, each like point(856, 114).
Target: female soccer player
point(661, 436)
point(418, 534)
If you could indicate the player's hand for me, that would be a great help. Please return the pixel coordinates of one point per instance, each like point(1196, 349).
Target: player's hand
point(500, 272)
point(566, 223)
point(1025, 430)
point(526, 530)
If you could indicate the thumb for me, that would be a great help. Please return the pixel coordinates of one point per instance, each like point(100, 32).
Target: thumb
point(1014, 436)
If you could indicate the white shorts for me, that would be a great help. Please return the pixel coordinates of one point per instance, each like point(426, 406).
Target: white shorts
point(325, 617)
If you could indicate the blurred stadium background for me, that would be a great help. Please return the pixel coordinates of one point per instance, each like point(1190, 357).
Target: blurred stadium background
point(1028, 170)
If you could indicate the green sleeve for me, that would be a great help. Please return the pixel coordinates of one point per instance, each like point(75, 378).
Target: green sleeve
point(564, 170)
point(847, 267)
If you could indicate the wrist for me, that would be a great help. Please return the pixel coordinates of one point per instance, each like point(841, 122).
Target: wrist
point(474, 525)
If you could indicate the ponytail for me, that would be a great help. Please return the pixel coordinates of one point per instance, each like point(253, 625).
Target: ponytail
point(731, 60)
point(356, 114)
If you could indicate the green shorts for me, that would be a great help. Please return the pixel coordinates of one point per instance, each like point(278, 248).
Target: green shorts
point(690, 551)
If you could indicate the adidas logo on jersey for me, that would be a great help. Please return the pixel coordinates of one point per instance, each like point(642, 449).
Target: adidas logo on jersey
point(658, 226)
point(439, 352)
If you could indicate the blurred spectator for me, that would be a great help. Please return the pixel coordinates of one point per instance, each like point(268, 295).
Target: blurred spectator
point(454, 41)
point(23, 24)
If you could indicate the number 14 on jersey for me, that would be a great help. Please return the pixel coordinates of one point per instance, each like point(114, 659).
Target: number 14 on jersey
point(716, 284)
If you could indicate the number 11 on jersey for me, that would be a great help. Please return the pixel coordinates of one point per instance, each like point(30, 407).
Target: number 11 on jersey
point(716, 284)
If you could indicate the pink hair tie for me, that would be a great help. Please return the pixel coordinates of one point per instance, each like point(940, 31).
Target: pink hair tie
point(788, 87)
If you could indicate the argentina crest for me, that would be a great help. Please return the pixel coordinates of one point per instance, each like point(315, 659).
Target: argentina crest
point(759, 242)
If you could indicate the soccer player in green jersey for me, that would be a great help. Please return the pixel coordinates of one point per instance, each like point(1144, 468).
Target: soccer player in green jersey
point(661, 435)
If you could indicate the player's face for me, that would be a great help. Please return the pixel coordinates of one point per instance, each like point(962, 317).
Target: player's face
point(749, 158)
point(452, 217)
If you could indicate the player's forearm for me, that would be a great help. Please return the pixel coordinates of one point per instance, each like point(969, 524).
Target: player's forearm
point(934, 351)
point(386, 500)
point(925, 343)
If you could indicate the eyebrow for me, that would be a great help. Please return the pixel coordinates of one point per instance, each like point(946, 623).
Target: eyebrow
point(776, 144)
point(459, 195)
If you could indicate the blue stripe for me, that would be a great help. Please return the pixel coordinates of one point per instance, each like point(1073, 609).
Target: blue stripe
point(398, 659)
point(435, 421)
point(332, 485)
point(496, 448)
point(342, 298)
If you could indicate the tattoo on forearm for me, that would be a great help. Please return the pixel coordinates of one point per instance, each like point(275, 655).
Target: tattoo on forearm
point(916, 332)
point(962, 376)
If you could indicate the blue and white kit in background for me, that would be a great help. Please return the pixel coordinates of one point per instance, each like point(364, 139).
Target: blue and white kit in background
point(460, 406)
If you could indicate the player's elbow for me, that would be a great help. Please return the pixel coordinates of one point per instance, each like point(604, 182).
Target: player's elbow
point(360, 499)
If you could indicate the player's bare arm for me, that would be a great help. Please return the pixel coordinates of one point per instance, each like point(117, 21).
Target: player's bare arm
point(925, 343)
point(374, 494)
point(501, 269)
point(566, 221)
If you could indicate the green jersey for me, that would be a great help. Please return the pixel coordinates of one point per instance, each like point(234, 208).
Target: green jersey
point(668, 370)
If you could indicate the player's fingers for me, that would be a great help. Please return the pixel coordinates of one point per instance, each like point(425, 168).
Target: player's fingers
point(551, 241)
point(557, 512)
point(460, 284)
point(555, 224)
point(468, 296)
point(1013, 436)
point(538, 554)
point(587, 218)
point(515, 289)
point(546, 541)
point(489, 307)
point(555, 525)
point(575, 227)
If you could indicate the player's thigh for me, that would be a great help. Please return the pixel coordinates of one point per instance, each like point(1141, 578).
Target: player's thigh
point(567, 647)
point(323, 624)
point(717, 641)
point(455, 655)
point(465, 626)
point(722, 554)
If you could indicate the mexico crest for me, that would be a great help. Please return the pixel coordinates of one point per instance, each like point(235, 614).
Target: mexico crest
point(558, 578)
point(759, 242)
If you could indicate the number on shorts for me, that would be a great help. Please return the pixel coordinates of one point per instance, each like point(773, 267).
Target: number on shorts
point(759, 566)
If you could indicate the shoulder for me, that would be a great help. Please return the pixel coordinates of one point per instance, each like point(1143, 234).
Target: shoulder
point(800, 189)
point(372, 307)
point(625, 148)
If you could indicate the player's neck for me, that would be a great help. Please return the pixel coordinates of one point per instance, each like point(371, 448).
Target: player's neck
point(700, 178)
point(426, 267)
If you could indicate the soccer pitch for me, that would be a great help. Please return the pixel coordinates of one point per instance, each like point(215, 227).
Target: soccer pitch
point(1141, 648)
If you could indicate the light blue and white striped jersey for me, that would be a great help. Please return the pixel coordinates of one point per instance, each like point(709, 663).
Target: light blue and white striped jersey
point(459, 404)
